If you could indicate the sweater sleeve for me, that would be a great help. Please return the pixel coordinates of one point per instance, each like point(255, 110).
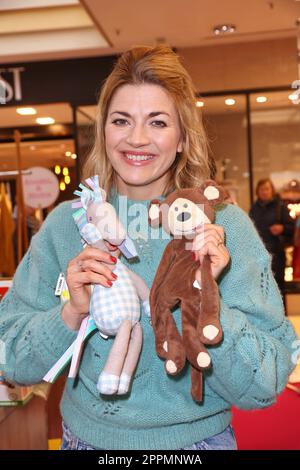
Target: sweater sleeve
point(252, 364)
point(32, 331)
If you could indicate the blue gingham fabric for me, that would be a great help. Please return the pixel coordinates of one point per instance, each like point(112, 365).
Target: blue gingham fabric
point(109, 307)
point(90, 234)
point(108, 383)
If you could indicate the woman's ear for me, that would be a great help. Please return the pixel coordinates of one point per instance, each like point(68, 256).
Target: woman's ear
point(180, 146)
point(154, 213)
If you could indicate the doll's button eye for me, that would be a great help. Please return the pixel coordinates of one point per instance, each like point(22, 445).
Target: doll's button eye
point(185, 205)
point(90, 219)
point(176, 208)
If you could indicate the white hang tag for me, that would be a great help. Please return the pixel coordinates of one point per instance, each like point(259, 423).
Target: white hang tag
point(60, 285)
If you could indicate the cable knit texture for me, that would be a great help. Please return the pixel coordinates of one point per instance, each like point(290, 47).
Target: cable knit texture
point(250, 367)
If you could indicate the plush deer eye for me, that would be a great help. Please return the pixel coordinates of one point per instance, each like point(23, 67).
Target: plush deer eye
point(185, 205)
point(176, 208)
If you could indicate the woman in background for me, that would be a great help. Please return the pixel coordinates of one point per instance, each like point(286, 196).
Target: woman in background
point(273, 222)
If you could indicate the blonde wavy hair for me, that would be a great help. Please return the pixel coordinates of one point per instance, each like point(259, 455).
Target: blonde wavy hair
point(160, 66)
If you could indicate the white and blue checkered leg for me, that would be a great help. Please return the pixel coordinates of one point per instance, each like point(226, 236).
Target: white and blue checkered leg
point(124, 384)
point(146, 307)
point(108, 383)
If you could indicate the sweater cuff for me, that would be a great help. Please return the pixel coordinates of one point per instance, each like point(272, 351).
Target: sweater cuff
point(55, 337)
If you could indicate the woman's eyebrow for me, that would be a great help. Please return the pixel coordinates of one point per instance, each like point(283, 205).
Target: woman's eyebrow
point(153, 114)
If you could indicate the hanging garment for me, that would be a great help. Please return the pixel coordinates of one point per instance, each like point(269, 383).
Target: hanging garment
point(7, 227)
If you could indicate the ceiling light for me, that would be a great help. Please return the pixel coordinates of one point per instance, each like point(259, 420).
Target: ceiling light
point(230, 101)
point(293, 97)
point(261, 99)
point(65, 171)
point(26, 111)
point(67, 179)
point(57, 169)
point(68, 154)
point(74, 156)
point(45, 120)
point(199, 104)
point(62, 186)
point(222, 29)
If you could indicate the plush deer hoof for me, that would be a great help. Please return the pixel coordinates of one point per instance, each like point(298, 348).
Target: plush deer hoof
point(108, 383)
point(124, 384)
point(203, 360)
point(210, 332)
point(171, 367)
point(165, 346)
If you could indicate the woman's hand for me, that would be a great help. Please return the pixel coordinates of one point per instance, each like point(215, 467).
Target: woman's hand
point(210, 241)
point(276, 229)
point(89, 267)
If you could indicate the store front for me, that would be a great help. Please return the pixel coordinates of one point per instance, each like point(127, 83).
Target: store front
point(252, 133)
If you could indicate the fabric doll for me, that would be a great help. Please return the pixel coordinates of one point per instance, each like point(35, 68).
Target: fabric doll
point(178, 279)
point(115, 310)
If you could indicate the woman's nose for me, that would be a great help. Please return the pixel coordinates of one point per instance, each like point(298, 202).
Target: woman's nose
point(137, 136)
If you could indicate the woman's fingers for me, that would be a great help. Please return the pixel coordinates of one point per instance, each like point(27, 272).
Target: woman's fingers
point(217, 229)
point(201, 239)
point(98, 267)
point(93, 254)
point(219, 257)
point(96, 254)
point(82, 278)
point(113, 248)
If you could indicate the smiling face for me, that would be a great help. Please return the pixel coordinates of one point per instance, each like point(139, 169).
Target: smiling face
point(142, 136)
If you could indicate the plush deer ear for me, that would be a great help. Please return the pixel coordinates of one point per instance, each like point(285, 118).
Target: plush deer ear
point(213, 192)
point(154, 213)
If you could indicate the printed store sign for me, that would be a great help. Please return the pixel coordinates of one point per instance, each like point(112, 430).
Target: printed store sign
point(41, 188)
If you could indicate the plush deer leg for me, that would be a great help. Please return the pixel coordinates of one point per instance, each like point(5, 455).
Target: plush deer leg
point(196, 352)
point(197, 380)
point(131, 360)
point(109, 378)
point(209, 326)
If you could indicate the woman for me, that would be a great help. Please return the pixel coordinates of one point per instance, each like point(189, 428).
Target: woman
point(149, 141)
point(273, 222)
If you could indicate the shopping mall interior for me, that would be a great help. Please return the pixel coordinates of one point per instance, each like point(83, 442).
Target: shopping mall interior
point(244, 60)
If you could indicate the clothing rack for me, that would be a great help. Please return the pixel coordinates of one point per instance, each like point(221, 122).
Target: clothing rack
point(22, 236)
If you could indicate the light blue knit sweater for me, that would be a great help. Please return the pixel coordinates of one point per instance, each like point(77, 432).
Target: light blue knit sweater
point(250, 367)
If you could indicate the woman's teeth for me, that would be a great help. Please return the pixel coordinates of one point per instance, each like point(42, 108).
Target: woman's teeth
point(138, 158)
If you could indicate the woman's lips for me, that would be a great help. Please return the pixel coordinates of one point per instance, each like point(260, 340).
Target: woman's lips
point(137, 158)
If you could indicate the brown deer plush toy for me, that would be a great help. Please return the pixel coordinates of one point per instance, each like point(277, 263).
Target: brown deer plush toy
point(177, 280)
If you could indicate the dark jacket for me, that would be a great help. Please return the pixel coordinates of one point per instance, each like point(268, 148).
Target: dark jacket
point(266, 214)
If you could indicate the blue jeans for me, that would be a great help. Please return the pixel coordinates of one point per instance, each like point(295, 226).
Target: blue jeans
point(223, 441)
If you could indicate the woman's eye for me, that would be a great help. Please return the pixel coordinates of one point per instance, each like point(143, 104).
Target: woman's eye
point(120, 122)
point(159, 124)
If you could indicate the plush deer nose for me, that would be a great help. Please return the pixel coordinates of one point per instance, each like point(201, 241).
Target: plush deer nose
point(183, 216)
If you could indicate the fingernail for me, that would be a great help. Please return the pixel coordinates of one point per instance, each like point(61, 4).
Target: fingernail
point(113, 259)
point(114, 276)
point(109, 283)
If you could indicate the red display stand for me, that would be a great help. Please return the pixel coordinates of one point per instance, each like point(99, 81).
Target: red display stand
point(273, 428)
